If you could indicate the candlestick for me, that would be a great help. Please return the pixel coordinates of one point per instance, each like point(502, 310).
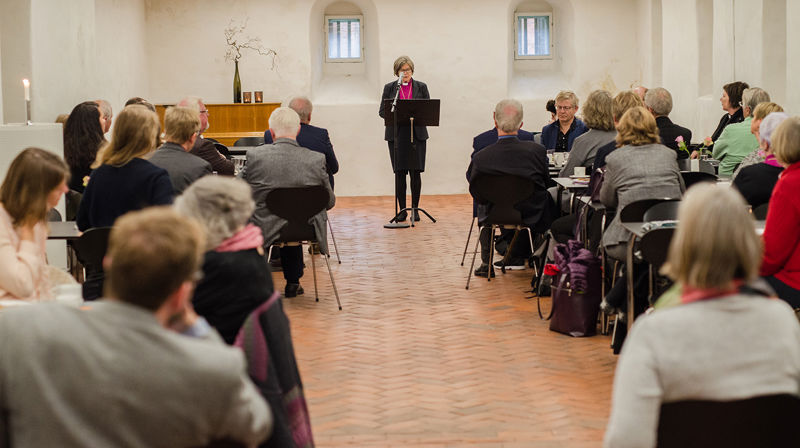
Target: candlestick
point(27, 86)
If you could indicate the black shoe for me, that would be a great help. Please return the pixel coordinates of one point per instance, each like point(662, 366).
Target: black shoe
point(293, 290)
point(402, 216)
point(513, 264)
point(416, 215)
point(483, 270)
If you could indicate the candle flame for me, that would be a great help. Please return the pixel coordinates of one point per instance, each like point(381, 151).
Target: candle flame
point(26, 83)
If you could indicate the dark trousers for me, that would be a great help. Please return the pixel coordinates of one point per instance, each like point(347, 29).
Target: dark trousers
point(521, 249)
point(292, 263)
point(784, 291)
point(400, 187)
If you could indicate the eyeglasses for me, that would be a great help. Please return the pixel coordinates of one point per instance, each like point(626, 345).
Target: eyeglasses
point(563, 107)
point(205, 112)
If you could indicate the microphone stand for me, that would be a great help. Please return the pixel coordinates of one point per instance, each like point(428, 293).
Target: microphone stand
point(394, 223)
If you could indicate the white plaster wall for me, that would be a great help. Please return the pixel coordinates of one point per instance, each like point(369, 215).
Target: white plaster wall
point(792, 57)
point(15, 39)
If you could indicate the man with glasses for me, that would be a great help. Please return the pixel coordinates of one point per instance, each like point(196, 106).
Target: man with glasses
point(181, 126)
point(203, 148)
point(560, 134)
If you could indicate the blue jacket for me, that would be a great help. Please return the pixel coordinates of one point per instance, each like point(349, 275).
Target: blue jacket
point(550, 134)
point(315, 139)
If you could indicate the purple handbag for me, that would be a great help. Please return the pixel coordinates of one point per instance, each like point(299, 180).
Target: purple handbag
point(577, 292)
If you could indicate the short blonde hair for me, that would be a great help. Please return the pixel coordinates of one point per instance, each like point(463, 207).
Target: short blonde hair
point(399, 62)
point(623, 101)
point(221, 204)
point(637, 127)
point(694, 254)
point(135, 135)
point(786, 141)
point(567, 95)
point(763, 109)
point(180, 123)
point(597, 111)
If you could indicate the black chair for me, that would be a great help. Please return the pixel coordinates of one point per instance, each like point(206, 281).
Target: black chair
point(249, 141)
point(760, 212)
point(705, 167)
point(298, 206)
point(72, 201)
point(765, 422)
point(663, 211)
point(654, 246)
point(54, 215)
point(90, 248)
point(500, 193)
point(213, 140)
point(222, 149)
point(693, 177)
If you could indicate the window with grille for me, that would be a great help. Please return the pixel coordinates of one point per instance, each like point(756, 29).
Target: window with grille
point(533, 35)
point(344, 38)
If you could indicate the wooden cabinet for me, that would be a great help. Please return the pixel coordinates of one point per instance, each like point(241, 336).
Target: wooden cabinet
point(230, 122)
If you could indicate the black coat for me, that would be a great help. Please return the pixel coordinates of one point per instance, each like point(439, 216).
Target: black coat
point(726, 119)
point(669, 131)
point(756, 182)
point(418, 91)
point(523, 159)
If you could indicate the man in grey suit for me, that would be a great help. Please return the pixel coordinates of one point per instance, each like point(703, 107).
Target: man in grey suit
point(181, 125)
point(286, 164)
point(139, 369)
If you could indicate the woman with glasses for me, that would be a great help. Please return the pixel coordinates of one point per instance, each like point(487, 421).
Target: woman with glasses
point(409, 158)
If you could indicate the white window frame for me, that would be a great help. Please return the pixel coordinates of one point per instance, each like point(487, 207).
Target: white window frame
point(360, 19)
point(516, 35)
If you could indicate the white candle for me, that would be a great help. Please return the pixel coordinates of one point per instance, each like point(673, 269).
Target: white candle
point(27, 85)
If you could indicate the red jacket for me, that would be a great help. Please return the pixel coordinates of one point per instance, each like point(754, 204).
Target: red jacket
point(782, 232)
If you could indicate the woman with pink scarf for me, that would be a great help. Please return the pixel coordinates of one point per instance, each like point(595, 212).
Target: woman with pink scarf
point(236, 278)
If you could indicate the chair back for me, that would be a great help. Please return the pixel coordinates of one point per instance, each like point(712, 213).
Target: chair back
point(663, 211)
point(249, 141)
point(73, 200)
point(91, 246)
point(54, 215)
point(693, 177)
point(654, 246)
point(222, 149)
point(502, 193)
point(765, 421)
point(634, 212)
point(760, 212)
point(297, 205)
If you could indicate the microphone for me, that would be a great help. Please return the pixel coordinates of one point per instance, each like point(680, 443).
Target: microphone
point(400, 79)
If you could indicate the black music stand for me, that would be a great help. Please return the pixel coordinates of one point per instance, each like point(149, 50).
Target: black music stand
point(412, 112)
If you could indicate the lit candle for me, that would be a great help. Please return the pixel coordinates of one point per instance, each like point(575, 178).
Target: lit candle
point(27, 85)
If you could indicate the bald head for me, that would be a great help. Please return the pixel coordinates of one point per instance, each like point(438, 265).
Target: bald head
point(508, 117)
point(303, 107)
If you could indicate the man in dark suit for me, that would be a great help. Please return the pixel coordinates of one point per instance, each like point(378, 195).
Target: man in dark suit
point(659, 102)
point(181, 125)
point(311, 137)
point(514, 157)
point(203, 148)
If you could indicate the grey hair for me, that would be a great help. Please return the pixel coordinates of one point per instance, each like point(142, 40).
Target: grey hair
point(284, 122)
point(508, 115)
point(752, 96)
point(303, 107)
point(769, 124)
point(192, 102)
point(221, 204)
point(105, 108)
point(660, 100)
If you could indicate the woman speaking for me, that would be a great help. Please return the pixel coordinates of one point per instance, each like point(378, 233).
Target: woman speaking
point(410, 157)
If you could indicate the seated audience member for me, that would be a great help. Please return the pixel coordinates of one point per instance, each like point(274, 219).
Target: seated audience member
point(622, 102)
point(123, 180)
point(83, 137)
point(551, 107)
point(142, 101)
point(781, 263)
point(126, 375)
point(203, 148)
point(759, 113)
point(599, 118)
point(106, 114)
point(640, 91)
point(514, 157)
point(731, 101)
point(62, 119)
point(736, 141)
point(286, 164)
point(181, 125)
point(659, 103)
point(236, 279)
point(311, 137)
point(560, 134)
point(756, 182)
point(642, 168)
point(722, 343)
point(34, 183)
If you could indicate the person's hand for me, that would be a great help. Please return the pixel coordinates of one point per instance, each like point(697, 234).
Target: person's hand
point(694, 155)
point(25, 231)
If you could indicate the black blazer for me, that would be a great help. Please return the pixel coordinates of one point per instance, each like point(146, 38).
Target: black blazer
point(523, 159)
point(737, 117)
point(669, 131)
point(756, 182)
point(315, 139)
point(418, 91)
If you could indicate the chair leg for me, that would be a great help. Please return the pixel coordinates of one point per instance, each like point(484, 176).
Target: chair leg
point(469, 235)
point(474, 254)
point(491, 253)
point(333, 237)
point(335, 291)
point(530, 240)
point(314, 271)
point(508, 250)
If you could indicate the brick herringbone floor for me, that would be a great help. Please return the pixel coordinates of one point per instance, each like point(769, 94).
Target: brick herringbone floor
point(414, 359)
